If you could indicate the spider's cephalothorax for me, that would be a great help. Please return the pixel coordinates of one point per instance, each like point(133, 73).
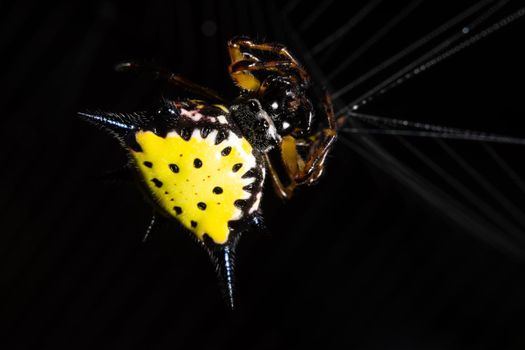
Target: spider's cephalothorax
point(203, 164)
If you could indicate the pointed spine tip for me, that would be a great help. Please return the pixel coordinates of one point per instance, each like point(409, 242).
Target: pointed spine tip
point(109, 120)
point(223, 258)
point(228, 276)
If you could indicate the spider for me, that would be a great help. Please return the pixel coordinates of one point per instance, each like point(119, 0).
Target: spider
point(203, 162)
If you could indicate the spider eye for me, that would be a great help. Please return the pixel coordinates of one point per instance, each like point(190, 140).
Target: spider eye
point(253, 106)
point(167, 110)
point(264, 124)
point(274, 105)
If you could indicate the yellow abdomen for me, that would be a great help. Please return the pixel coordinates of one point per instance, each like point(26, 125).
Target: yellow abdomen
point(197, 182)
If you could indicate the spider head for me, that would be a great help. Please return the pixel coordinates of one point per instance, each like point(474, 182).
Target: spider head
point(286, 102)
point(255, 124)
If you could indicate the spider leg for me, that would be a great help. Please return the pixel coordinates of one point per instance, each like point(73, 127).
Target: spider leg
point(238, 44)
point(314, 164)
point(244, 63)
point(283, 191)
point(299, 171)
point(174, 79)
point(241, 71)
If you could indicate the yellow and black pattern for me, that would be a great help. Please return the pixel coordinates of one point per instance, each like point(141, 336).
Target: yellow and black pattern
point(202, 183)
point(203, 162)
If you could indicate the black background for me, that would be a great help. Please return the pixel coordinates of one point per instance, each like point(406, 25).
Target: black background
point(378, 255)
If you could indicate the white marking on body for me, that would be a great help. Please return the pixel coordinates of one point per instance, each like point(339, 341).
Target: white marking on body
point(257, 201)
point(255, 205)
point(193, 115)
point(172, 133)
point(197, 135)
point(222, 119)
point(271, 131)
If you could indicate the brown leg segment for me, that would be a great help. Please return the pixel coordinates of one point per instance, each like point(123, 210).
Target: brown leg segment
point(284, 192)
point(272, 66)
point(243, 63)
point(177, 80)
point(236, 45)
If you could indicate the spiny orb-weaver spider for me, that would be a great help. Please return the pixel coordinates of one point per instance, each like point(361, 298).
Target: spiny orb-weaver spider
point(203, 163)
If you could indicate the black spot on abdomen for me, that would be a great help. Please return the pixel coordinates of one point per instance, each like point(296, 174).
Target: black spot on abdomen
point(157, 182)
point(201, 205)
point(178, 210)
point(236, 167)
point(217, 190)
point(197, 163)
point(240, 203)
point(226, 151)
point(148, 164)
point(174, 168)
point(193, 223)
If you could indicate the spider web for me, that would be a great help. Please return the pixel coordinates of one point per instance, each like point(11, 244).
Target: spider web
point(458, 186)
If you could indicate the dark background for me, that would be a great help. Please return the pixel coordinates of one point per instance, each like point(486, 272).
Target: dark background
point(406, 243)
